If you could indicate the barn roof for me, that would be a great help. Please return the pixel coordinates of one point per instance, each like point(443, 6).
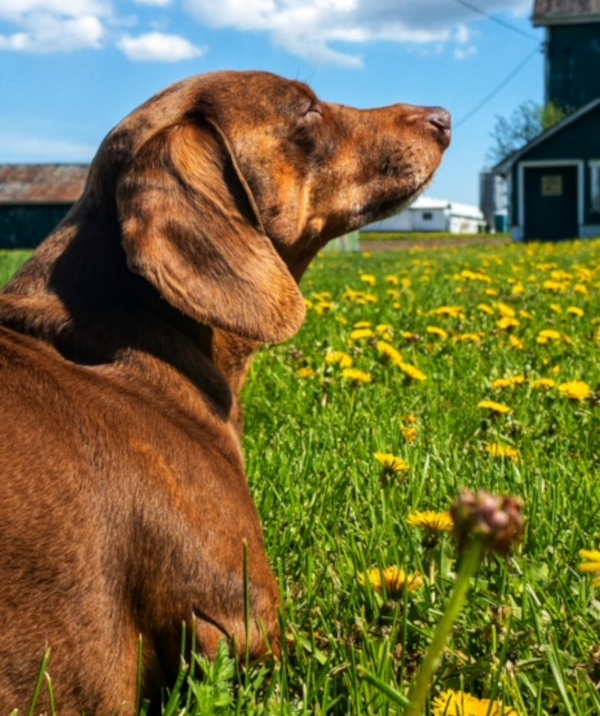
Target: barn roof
point(41, 183)
point(559, 12)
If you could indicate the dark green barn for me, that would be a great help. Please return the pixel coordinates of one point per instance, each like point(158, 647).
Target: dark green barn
point(34, 198)
point(553, 183)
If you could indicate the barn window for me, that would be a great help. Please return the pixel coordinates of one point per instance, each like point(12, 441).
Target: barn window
point(595, 185)
point(427, 216)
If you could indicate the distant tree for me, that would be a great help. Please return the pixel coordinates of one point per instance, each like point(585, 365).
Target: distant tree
point(527, 122)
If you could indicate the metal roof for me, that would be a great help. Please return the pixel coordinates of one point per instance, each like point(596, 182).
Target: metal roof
point(42, 183)
point(560, 12)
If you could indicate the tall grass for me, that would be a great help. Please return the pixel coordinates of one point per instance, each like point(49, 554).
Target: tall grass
point(529, 634)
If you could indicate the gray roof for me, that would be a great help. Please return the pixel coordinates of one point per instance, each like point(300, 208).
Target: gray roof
point(42, 183)
point(560, 12)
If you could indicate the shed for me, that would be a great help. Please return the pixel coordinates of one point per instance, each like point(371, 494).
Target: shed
point(554, 181)
point(428, 215)
point(34, 199)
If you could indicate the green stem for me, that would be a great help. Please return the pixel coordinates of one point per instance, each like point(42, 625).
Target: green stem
point(422, 682)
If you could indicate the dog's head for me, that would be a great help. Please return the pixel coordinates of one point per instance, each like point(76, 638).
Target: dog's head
point(228, 184)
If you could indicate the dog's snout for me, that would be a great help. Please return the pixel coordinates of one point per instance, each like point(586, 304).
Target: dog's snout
point(440, 118)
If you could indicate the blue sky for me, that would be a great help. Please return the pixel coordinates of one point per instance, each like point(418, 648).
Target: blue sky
point(71, 69)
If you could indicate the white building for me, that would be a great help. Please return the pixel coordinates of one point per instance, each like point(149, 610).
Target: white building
point(426, 214)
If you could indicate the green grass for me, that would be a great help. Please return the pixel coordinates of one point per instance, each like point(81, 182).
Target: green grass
point(425, 236)
point(10, 261)
point(529, 633)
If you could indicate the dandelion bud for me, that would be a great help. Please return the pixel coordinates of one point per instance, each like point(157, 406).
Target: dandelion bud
point(496, 521)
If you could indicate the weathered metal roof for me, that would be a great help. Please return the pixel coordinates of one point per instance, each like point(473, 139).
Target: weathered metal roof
point(556, 12)
point(42, 183)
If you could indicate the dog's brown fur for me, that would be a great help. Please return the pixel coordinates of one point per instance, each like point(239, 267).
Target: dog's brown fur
point(124, 343)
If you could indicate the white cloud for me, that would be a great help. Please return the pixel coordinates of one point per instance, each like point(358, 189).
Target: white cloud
point(158, 47)
point(43, 32)
point(309, 28)
point(155, 3)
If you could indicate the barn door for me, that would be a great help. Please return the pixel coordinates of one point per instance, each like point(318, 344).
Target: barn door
point(550, 203)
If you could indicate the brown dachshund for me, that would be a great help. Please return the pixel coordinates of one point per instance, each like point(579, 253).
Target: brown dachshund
point(124, 343)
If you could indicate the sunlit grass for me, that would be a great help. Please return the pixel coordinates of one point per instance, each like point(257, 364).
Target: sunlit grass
point(528, 636)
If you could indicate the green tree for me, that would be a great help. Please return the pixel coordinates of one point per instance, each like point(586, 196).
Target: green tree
point(526, 122)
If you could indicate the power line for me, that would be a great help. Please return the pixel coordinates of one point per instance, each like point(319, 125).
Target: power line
point(497, 89)
point(497, 20)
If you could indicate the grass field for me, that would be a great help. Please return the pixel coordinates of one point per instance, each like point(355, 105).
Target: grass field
point(519, 326)
point(424, 236)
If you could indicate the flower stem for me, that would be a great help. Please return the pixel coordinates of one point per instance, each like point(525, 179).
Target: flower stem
point(470, 562)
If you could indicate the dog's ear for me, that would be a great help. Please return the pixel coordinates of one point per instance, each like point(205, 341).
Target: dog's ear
point(190, 227)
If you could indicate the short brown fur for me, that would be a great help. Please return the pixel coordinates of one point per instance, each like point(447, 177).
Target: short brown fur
point(124, 343)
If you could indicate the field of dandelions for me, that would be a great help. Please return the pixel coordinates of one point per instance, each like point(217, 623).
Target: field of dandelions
point(417, 374)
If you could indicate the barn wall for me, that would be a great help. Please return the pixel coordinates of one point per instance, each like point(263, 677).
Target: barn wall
point(25, 226)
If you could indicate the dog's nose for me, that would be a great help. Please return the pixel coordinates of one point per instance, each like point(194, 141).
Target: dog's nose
point(440, 118)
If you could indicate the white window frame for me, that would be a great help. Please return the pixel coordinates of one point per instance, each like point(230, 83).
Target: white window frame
point(594, 165)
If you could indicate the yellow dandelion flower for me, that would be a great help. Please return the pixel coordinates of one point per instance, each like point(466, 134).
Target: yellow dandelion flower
point(556, 308)
point(361, 334)
point(555, 286)
point(492, 292)
point(390, 462)
point(369, 279)
point(410, 419)
point(511, 382)
point(581, 288)
point(575, 390)
point(436, 331)
point(411, 371)
point(576, 311)
point(525, 314)
point(362, 324)
point(408, 336)
point(459, 703)
point(591, 564)
point(369, 298)
point(559, 275)
point(506, 323)
point(357, 376)
point(393, 293)
point(366, 254)
point(505, 310)
point(548, 335)
point(516, 343)
point(392, 280)
point(388, 351)
point(518, 289)
point(322, 296)
point(394, 579)
point(324, 307)
point(342, 320)
point(543, 384)
point(486, 309)
point(502, 451)
point(410, 433)
point(494, 407)
point(384, 328)
point(338, 358)
point(305, 373)
point(308, 304)
point(448, 312)
point(432, 521)
point(468, 338)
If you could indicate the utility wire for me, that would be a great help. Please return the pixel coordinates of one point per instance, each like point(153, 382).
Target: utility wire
point(497, 20)
point(497, 89)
